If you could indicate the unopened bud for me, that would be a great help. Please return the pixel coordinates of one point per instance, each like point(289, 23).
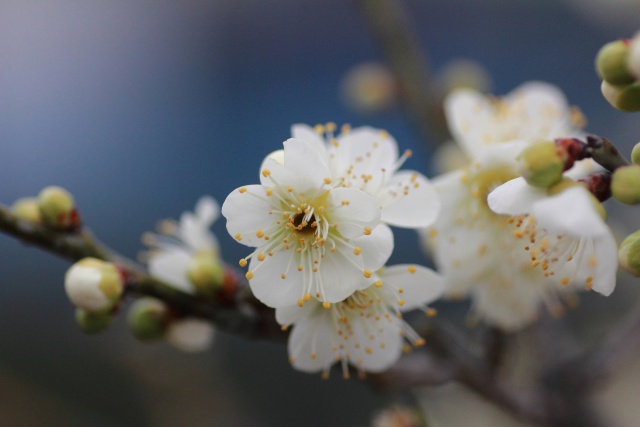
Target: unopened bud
point(58, 209)
point(635, 154)
point(27, 208)
point(190, 335)
point(629, 254)
point(625, 98)
point(93, 285)
point(92, 323)
point(206, 273)
point(625, 184)
point(612, 63)
point(148, 319)
point(541, 165)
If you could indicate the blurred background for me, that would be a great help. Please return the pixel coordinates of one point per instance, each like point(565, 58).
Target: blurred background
point(139, 108)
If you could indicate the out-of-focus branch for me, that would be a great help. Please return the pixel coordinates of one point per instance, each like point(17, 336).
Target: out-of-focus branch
point(390, 27)
point(243, 316)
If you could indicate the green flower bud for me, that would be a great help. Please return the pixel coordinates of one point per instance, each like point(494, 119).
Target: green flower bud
point(57, 208)
point(541, 164)
point(92, 323)
point(612, 63)
point(625, 184)
point(148, 319)
point(625, 98)
point(27, 208)
point(635, 154)
point(93, 285)
point(629, 254)
point(206, 273)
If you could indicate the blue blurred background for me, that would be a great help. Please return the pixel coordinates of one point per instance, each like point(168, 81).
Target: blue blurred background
point(139, 108)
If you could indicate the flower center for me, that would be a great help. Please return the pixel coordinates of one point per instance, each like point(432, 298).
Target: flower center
point(305, 226)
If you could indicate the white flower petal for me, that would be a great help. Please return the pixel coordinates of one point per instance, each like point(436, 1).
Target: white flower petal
point(195, 233)
point(410, 201)
point(354, 210)
point(367, 151)
point(308, 134)
point(341, 273)
point(207, 210)
point(606, 256)
point(310, 167)
point(421, 287)
point(379, 353)
point(514, 197)
point(468, 113)
point(267, 283)
point(572, 211)
point(170, 265)
point(247, 211)
point(376, 248)
point(310, 343)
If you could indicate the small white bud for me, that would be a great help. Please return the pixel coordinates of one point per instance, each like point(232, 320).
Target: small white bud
point(58, 208)
point(93, 285)
point(190, 335)
point(27, 208)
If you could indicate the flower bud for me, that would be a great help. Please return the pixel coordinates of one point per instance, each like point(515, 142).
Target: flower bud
point(369, 88)
point(58, 209)
point(206, 273)
point(612, 65)
point(541, 165)
point(635, 154)
point(629, 254)
point(190, 335)
point(92, 323)
point(27, 208)
point(93, 285)
point(148, 319)
point(625, 98)
point(625, 184)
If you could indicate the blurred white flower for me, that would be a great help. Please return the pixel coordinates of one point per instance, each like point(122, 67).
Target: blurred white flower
point(312, 239)
point(178, 254)
point(366, 329)
point(564, 234)
point(190, 335)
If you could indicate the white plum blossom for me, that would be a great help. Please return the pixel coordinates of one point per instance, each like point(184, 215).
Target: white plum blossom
point(312, 239)
point(534, 111)
point(366, 329)
point(190, 335)
point(479, 252)
point(564, 234)
point(368, 159)
point(182, 243)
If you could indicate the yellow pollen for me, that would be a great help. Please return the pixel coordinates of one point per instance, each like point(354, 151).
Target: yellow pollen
point(260, 257)
point(366, 273)
point(313, 355)
point(412, 269)
point(345, 202)
point(535, 263)
point(242, 262)
point(400, 302)
point(260, 234)
point(242, 190)
point(592, 262)
point(326, 305)
point(300, 303)
point(315, 269)
point(367, 231)
point(299, 268)
point(330, 127)
point(317, 294)
point(432, 312)
point(284, 276)
point(400, 290)
point(269, 191)
point(408, 153)
point(433, 233)
point(357, 250)
point(292, 359)
point(238, 236)
point(378, 283)
point(266, 173)
point(419, 342)
point(249, 275)
point(284, 328)
point(518, 233)
point(290, 189)
point(368, 350)
point(327, 180)
point(565, 281)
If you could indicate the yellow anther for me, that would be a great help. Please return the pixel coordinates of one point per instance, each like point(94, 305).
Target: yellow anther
point(431, 312)
point(242, 262)
point(290, 189)
point(400, 302)
point(299, 268)
point(330, 127)
point(260, 234)
point(327, 180)
point(313, 355)
point(269, 191)
point(242, 189)
point(518, 234)
point(565, 281)
point(419, 342)
point(326, 305)
point(357, 250)
point(367, 231)
point(266, 172)
point(284, 328)
point(378, 283)
point(238, 236)
point(260, 257)
point(319, 128)
point(315, 269)
point(400, 290)
point(535, 263)
point(300, 303)
point(412, 269)
point(366, 273)
point(345, 202)
point(408, 153)
point(249, 275)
